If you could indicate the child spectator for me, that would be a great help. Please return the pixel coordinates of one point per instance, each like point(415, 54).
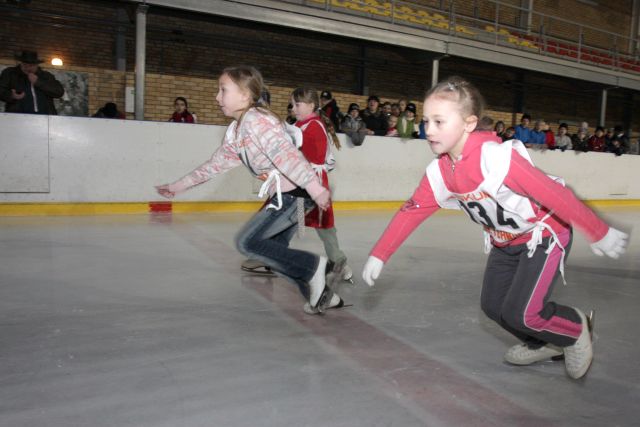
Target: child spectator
point(499, 128)
point(563, 141)
point(395, 109)
point(579, 140)
point(402, 105)
point(407, 122)
point(392, 126)
point(619, 142)
point(485, 124)
point(584, 126)
point(549, 138)
point(181, 113)
point(330, 108)
point(608, 136)
point(596, 142)
point(523, 131)
point(386, 109)
point(353, 126)
point(536, 136)
point(109, 111)
point(509, 133)
point(373, 118)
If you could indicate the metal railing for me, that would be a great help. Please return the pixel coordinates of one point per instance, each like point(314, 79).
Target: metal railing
point(500, 24)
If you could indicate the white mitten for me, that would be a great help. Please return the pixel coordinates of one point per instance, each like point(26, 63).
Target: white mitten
point(613, 244)
point(372, 270)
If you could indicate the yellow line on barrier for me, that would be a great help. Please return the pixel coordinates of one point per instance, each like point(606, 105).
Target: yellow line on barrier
point(70, 209)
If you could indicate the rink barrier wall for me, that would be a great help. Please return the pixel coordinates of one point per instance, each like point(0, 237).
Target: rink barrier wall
point(52, 165)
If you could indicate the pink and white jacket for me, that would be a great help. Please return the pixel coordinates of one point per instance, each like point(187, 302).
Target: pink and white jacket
point(500, 189)
point(263, 146)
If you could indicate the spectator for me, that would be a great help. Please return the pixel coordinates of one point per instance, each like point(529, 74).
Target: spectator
point(330, 108)
point(619, 142)
point(373, 118)
point(402, 105)
point(499, 128)
point(523, 132)
point(353, 126)
point(407, 122)
point(537, 135)
point(485, 124)
point(182, 114)
point(392, 126)
point(596, 142)
point(395, 109)
point(563, 141)
point(291, 118)
point(422, 133)
point(580, 141)
point(509, 133)
point(608, 136)
point(27, 88)
point(634, 147)
point(386, 109)
point(549, 138)
point(109, 111)
point(584, 126)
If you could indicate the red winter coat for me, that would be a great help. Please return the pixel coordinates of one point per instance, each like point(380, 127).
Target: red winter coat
point(314, 148)
point(185, 117)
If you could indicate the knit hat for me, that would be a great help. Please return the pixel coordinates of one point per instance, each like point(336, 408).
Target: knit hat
point(353, 106)
point(411, 107)
point(326, 95)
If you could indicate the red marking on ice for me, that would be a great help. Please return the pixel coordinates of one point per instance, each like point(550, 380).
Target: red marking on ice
point(157, 207)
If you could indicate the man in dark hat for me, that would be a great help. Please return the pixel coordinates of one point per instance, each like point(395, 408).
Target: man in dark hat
point(26, 88)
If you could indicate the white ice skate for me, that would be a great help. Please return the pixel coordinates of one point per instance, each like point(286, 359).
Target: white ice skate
point(578, 357)
point(522, 355)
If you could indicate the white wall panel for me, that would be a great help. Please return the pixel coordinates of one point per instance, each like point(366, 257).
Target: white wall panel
point(98, 160)
point(24, 153)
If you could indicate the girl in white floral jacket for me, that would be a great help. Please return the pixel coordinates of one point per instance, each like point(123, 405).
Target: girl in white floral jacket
point(257, 139)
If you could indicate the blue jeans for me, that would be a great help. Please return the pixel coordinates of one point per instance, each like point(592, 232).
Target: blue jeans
point(266, 238)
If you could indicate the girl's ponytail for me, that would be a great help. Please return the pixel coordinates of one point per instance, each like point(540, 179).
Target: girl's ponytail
point(328, 124)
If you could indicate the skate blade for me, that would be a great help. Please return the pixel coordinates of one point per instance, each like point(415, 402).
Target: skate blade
point(591, 320)
point(325, 300)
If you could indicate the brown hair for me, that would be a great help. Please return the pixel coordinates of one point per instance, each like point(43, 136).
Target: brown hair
point(249, 78)
point(461, 91)
point(310, 96)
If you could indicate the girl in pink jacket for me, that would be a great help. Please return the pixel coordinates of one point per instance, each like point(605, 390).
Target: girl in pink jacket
point(257, 139)
point(527, 219)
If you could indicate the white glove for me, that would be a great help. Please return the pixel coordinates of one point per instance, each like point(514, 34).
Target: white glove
point(372, 270)
point(614, 243)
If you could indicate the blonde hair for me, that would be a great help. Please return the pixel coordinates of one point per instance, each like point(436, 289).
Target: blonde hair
point(310, 96)
point(248, 78)
point(461, 91)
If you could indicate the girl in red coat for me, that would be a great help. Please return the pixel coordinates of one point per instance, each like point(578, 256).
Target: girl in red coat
point(182, 114)
point(317, 134)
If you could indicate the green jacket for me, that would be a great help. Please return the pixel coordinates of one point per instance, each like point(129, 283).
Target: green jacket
point(406, 127)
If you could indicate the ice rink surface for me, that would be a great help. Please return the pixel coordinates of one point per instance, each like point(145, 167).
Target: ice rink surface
point(148, 321)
